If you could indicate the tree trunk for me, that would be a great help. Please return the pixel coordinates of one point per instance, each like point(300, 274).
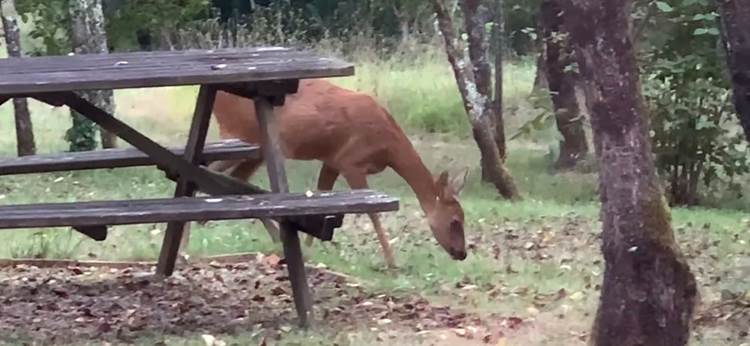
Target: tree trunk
point(648, 293)
point(735, 15)
point(473, 79)
point(25, 144)
point(540, 80)
point(89, 37)
point(562, 85)
point(498, 33)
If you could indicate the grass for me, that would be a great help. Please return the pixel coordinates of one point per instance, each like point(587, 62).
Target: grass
point(422, 97)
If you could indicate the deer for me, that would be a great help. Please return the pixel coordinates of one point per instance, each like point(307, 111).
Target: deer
point(353, 136)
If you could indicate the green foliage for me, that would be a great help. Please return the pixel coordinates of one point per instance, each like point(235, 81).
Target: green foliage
point(693, 125)
point(162, 19)
point(50, 18)
point(82, 135)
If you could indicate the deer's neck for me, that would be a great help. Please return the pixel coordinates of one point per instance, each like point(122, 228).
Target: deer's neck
point(410, 167)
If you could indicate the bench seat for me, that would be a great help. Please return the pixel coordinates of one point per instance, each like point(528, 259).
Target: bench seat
point(118, 158)
point(88, 215)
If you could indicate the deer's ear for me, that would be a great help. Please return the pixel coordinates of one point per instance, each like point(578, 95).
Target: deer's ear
point(441, 182)
point(459, 181)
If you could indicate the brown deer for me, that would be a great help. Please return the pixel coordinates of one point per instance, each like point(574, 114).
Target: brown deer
point(354, 137)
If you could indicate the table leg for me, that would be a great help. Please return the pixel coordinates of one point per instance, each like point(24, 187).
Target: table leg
point(289, 237)
point(193, 150)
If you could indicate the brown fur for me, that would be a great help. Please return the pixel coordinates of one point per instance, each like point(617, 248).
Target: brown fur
point(353, 136)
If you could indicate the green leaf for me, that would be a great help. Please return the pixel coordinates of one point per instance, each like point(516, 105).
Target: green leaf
point(664, 7)
point(700, 31)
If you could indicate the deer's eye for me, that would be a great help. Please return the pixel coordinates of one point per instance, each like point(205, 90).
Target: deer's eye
point(457, 227)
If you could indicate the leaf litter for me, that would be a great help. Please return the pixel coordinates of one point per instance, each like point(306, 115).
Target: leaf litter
point(76, 304)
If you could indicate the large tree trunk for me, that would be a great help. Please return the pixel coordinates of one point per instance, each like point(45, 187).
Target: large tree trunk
point(89, 37)
point(648, 293)
point(474, 78)
point(735, 19)
point(562, 85)
point(25, 144)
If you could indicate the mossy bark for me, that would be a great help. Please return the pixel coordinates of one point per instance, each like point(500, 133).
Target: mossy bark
point(648, 292)
point(474, 79)
point(561, 81)
point(89, 37)
point(25, 143)
point(735, 16)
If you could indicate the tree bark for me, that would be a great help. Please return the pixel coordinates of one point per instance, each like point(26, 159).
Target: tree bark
point(562, 85)
point(498, 33)
point(89, 37)
point(473, 78)
point(735, 16)
point(540, 80)
point(25, 144)
point(648, 293)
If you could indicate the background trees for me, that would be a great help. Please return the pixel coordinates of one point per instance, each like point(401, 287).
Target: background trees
point(25, 144)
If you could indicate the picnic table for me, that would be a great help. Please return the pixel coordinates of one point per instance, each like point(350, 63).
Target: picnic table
point(265, 75)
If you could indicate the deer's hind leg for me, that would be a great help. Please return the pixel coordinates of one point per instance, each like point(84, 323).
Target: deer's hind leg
point(359, 181)
point(326, 181)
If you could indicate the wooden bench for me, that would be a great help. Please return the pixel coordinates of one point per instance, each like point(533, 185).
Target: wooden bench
point(125, 212)
point(321, 227)
point(119, 158)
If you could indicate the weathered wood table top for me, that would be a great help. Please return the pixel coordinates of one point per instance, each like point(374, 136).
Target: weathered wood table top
point(165, 68)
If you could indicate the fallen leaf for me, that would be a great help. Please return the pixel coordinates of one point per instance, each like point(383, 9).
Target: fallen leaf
point(577, 296)
point(208, 339)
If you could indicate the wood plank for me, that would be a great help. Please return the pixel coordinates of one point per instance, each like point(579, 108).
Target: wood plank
point(195, 143)
point(136, 70)
point(274, 159)
point(126, 212)
point(209, 182)
point(119, 158)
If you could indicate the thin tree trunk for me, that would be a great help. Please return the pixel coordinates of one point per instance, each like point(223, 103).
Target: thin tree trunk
point(474, 90)
point(562, 85)
point(89, 37)
point(498, 33)
point(540, 80)
point(735, 16)
point(25, 144)
point(648, 293)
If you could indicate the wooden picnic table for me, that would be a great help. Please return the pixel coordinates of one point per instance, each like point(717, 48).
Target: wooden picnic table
point(265, 75)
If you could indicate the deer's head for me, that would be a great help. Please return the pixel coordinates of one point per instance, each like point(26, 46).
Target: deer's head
point(446, 219)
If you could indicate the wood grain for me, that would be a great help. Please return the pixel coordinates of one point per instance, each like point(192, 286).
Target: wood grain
point(118, 158)
point(125, 212)
point(154, 69)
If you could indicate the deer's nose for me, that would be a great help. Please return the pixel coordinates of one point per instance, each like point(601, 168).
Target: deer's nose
point(458, 255)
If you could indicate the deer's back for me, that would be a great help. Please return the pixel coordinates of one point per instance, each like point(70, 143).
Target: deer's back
point(319, 122)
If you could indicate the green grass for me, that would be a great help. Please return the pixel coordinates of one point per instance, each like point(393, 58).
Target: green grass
point(422, 97)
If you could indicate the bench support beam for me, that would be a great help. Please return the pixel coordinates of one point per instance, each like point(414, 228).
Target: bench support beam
point(174, 236)
point(98, 233)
